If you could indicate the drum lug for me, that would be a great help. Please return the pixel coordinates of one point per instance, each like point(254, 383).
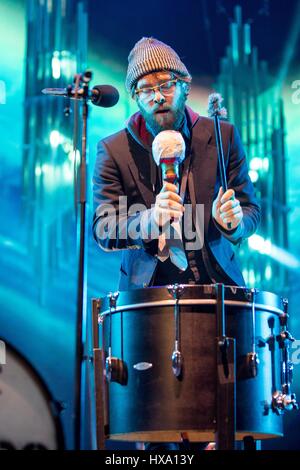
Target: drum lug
point(116, 370)
point(113, 297)
point(252, 357)
point(283, 337)
point(177, 363)
point(252, 364)
point(176, 291)
point(284, 402)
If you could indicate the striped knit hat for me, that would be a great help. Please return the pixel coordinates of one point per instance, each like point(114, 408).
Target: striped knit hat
point(150, 55)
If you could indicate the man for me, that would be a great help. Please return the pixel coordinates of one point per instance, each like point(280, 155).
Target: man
point(125, 171)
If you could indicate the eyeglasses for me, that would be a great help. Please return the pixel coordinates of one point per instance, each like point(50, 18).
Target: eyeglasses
point(166, 89)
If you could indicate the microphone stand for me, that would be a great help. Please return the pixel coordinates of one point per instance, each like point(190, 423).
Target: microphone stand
point(105, 96)
point(81, 280)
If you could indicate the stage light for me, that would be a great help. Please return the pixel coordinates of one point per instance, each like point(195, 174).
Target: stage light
point(265, 164)
point(67, 172)
point(251, 280)
point(47, 169)
point(253, 175)
point(74, 156)
point(268, 273)
point(258, 243)
point(55, 63)
point(245, 275)
point(67, 64)
point(247, 39)
point(256, 163)
point(38, 171)
point(55, 139)
point(265, 247)
point(63, 64)
point(49, 6)
point(67, 146)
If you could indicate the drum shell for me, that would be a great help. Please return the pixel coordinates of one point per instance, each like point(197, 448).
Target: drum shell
point(155, 405)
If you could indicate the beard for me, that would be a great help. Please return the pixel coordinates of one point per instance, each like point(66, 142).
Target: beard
point(171, 120)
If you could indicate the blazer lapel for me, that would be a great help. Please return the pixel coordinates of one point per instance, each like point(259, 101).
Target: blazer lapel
point(139, 165)
point(143, 183)
point(204, 167)
point(204, 162)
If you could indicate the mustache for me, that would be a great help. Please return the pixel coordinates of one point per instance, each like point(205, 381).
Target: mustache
point(161, 109)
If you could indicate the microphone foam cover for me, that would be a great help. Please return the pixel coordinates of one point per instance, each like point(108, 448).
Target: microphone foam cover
point(168, 145)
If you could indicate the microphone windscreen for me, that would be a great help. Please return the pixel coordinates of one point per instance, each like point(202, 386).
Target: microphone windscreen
point(168, 144)
point(105, 96)
point(215, 106)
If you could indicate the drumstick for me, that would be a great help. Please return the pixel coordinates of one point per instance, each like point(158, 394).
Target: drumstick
point(215, 111)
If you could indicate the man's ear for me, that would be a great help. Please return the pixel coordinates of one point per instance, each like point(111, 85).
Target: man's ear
point(133, 94)
point(186, 88)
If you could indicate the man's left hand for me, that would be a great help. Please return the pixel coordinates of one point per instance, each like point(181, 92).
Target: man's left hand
point(227, 209)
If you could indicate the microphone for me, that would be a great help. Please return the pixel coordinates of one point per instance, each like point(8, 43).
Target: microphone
point(168, 149)
point(105, 96)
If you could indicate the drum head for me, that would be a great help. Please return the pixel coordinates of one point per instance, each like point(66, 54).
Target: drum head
point(26, 408)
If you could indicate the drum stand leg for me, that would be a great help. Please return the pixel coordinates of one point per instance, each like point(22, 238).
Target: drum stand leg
point(100, 390)
point(185, 441)
point(98, 364)
point(250, 444)
point(225, 383)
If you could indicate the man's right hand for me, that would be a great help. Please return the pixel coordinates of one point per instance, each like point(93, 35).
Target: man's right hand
point(168, 205)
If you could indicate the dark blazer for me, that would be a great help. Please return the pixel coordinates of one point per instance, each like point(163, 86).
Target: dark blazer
point(121, 170)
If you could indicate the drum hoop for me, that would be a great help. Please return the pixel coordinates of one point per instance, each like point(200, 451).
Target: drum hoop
point(171, 302)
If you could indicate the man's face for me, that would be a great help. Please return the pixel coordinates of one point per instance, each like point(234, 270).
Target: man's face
point(161, 111)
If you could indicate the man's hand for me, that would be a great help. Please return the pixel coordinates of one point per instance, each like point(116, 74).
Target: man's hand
point(168, 205)
point(227, 209)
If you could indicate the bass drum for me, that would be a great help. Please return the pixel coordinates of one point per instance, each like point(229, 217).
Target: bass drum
point(152, 404)
point(28, 414)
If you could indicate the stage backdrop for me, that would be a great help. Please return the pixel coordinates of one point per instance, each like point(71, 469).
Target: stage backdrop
point(38, 245)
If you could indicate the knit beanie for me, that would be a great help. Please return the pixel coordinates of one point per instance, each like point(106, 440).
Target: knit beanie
point(150, 55)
